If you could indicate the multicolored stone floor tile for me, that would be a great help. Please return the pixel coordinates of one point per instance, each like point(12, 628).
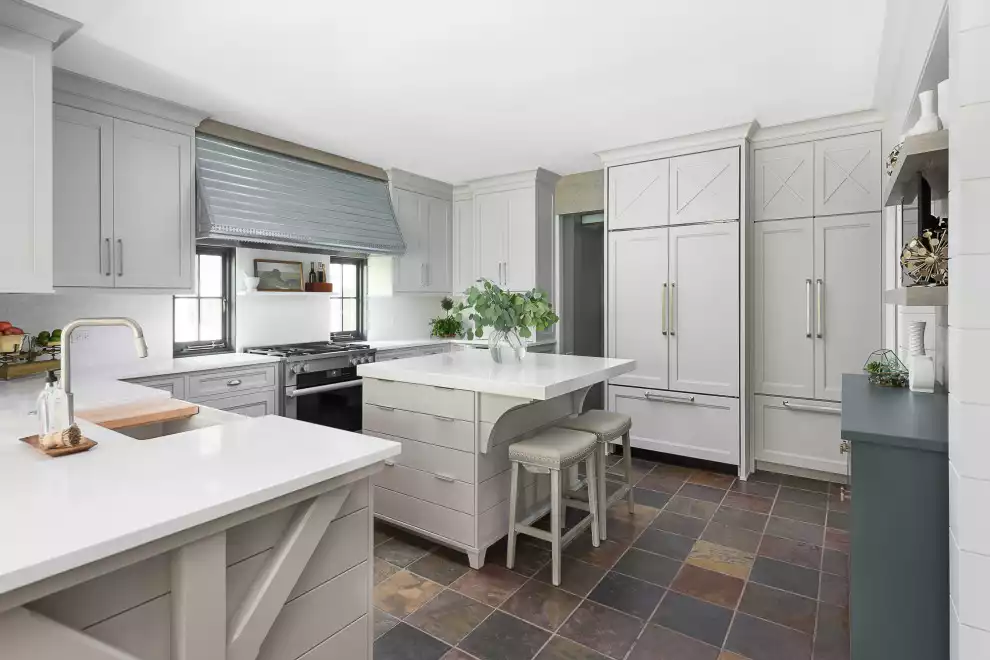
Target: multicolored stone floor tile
point(708, 567)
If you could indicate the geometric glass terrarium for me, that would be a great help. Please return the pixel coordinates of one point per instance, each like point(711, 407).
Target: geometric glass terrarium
point(885, 369)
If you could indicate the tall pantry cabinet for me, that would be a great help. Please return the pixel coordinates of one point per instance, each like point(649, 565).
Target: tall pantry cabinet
point(815, 291)
point(674, 294)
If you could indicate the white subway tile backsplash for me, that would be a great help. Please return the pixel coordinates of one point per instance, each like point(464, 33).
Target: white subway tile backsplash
point(969, 359)
point(969, 293)
point(969, 228)
point(973, 594)
point(969, 449)
point(971, 78)
point(972, 147)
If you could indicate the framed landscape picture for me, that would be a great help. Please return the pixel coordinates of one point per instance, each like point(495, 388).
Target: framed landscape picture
point(277, 275)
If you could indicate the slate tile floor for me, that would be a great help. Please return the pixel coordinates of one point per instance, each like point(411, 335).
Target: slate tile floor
point(707, 568)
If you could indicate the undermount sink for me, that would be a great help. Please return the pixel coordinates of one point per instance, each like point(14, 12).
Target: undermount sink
point(205, 418)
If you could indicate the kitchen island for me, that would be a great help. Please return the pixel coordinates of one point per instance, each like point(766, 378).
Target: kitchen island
point(455, 415)
point(221, 537)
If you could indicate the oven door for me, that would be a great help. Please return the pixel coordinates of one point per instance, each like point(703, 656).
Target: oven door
point(336, 404)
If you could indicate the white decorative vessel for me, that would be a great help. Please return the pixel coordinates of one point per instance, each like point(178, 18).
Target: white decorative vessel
point(929, 121)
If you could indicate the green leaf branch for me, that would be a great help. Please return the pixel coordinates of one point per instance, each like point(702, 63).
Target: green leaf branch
point(486, 305)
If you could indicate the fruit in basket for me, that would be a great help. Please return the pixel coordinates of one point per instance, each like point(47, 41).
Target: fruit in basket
point(4, 325)
point(43, 338)
point(13, 331)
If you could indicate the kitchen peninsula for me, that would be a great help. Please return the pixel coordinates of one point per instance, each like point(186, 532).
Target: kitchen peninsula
point(455, 415)
point(221, 536)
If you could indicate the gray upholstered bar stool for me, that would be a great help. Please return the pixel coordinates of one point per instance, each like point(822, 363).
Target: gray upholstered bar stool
point(550, 452)
point(607, 427)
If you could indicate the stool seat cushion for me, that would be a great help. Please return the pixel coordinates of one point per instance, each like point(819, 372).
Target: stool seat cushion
point(604, 424)
point(553, 448)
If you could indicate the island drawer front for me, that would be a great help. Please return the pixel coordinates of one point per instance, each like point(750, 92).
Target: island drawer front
point(428, 399)
point(427, 516)
point(231, 380)
point(804, 434)
point(694, 425)
point(427, 486)
point(442, 461)
point(432, 429)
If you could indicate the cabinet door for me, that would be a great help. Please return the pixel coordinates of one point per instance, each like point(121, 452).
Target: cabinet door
point(705, 187)
point(519, 269)
point(785, 182)
point(152, 207)
point(783, 310)
point(83, 197)
point(847, 174)
point(491, 228)
point(847, 281)
point(638, 194)
point(703, 316)
point(25, 161)
point(463, 254)
point(637, 295)
point(254, 404)
point(438, 244)
point(410, 269)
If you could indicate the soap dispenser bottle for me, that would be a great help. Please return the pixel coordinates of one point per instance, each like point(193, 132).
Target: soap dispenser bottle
point(53, 406)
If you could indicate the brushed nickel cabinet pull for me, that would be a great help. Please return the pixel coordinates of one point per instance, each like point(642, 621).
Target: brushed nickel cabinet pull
point(234, 382)
point(120, 257)
point(441, 418)
point(673, 306)
point(109, 258)
point(444, 477)
point(807, 408)
point(389, 463)
point(821, 308)
point(667, 398)
point(663, 311)
point(807, 308)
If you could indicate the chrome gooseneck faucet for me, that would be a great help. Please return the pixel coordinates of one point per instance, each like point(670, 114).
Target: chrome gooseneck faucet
point(139, 344)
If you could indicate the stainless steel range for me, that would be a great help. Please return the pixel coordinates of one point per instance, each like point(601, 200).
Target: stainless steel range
point(320, 381)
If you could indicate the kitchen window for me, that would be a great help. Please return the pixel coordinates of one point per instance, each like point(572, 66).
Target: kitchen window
point(347, 299)
point(203, 320)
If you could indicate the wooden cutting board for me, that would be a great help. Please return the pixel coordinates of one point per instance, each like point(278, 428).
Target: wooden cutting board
point(140, 413)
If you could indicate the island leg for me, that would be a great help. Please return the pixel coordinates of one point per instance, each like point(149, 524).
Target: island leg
point(476, 558)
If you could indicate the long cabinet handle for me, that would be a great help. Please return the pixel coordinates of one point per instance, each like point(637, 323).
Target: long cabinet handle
point(669, 398)
point(806, 408)
point(109, 258)
point(672, 306)
point(821, 308)
point(444, 477)
point(663, 310)
point(807, 308)
point(120, 257)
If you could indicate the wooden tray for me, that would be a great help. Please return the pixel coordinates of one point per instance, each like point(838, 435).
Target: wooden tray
point(22, 369)
point(85, 445)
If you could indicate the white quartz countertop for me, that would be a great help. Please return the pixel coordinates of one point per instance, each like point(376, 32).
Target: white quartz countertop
point(539, 376)
point(398, 344)
point(167, 367)
point(19, 397)
point(62, 513)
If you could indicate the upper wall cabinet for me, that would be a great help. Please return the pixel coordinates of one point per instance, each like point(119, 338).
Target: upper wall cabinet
point(704, 187)
point(27, 35)
point(463, 264)
point(123, 189)
point(784, 182)
point(847, 174)
point(423, 209)
point(637, 195)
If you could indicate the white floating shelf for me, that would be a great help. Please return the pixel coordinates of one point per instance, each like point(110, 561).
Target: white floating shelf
point(282, 294)
point(927, 154)
point(918, 296)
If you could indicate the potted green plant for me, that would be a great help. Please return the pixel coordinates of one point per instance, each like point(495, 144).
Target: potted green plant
point(509, 316)
point(447, 326)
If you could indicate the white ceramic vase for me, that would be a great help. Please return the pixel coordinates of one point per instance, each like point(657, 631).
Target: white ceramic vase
point(929, 121)
point(944, 103)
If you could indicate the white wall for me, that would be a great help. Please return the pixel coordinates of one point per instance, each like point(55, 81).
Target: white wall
point(969, 329)
point(393, 315)
point(96, 346)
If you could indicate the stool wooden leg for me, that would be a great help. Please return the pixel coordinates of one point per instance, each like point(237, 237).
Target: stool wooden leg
point(593, 508)
point(510, 554)
point(627, 455)
point(555, 507)
point(602, 491)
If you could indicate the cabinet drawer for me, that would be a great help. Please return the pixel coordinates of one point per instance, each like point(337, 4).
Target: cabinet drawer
point(433, 459)
point(428, 399)
point(694, 425)
point(427, 516)
point(232, 380)
point(804, 434)
point(251, 404)
point(427, 486)
point(175, 385)
point(432, 429)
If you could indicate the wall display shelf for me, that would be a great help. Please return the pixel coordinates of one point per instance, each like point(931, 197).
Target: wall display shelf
point(283, 294)
point(918, 296)
point(927, 154)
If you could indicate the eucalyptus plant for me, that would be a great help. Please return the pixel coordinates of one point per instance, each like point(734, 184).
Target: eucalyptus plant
point(487, 305)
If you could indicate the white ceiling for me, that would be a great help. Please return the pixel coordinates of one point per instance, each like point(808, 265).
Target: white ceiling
point(460, 89)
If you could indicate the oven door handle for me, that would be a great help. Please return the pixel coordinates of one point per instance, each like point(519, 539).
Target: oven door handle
point(325, 388)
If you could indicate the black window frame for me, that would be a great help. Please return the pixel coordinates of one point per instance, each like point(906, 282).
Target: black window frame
point(226, 343)
point(359, 297)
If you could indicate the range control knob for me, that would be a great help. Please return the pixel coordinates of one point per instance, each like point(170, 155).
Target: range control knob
point(306, 367)
point(297, 369)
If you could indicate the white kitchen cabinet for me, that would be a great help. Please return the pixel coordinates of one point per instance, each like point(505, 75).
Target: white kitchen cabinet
point(704, 187)
point(27, 35)
point(783, 308)
point(637, 315)
point(423, 208)
point(784, 182)
point(463, 259)
point(804, 434)
point(703, 315)
point(83, 198)
point(253, 404)
point(492, 228)
point(847, 174)
point(695, 425)
point(638, 195)
point(848, 282)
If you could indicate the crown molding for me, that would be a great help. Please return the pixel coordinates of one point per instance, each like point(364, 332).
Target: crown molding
point(38, 22)
point(728, 136)
point(420, 184)
point(514, 181)
point(820, 127)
